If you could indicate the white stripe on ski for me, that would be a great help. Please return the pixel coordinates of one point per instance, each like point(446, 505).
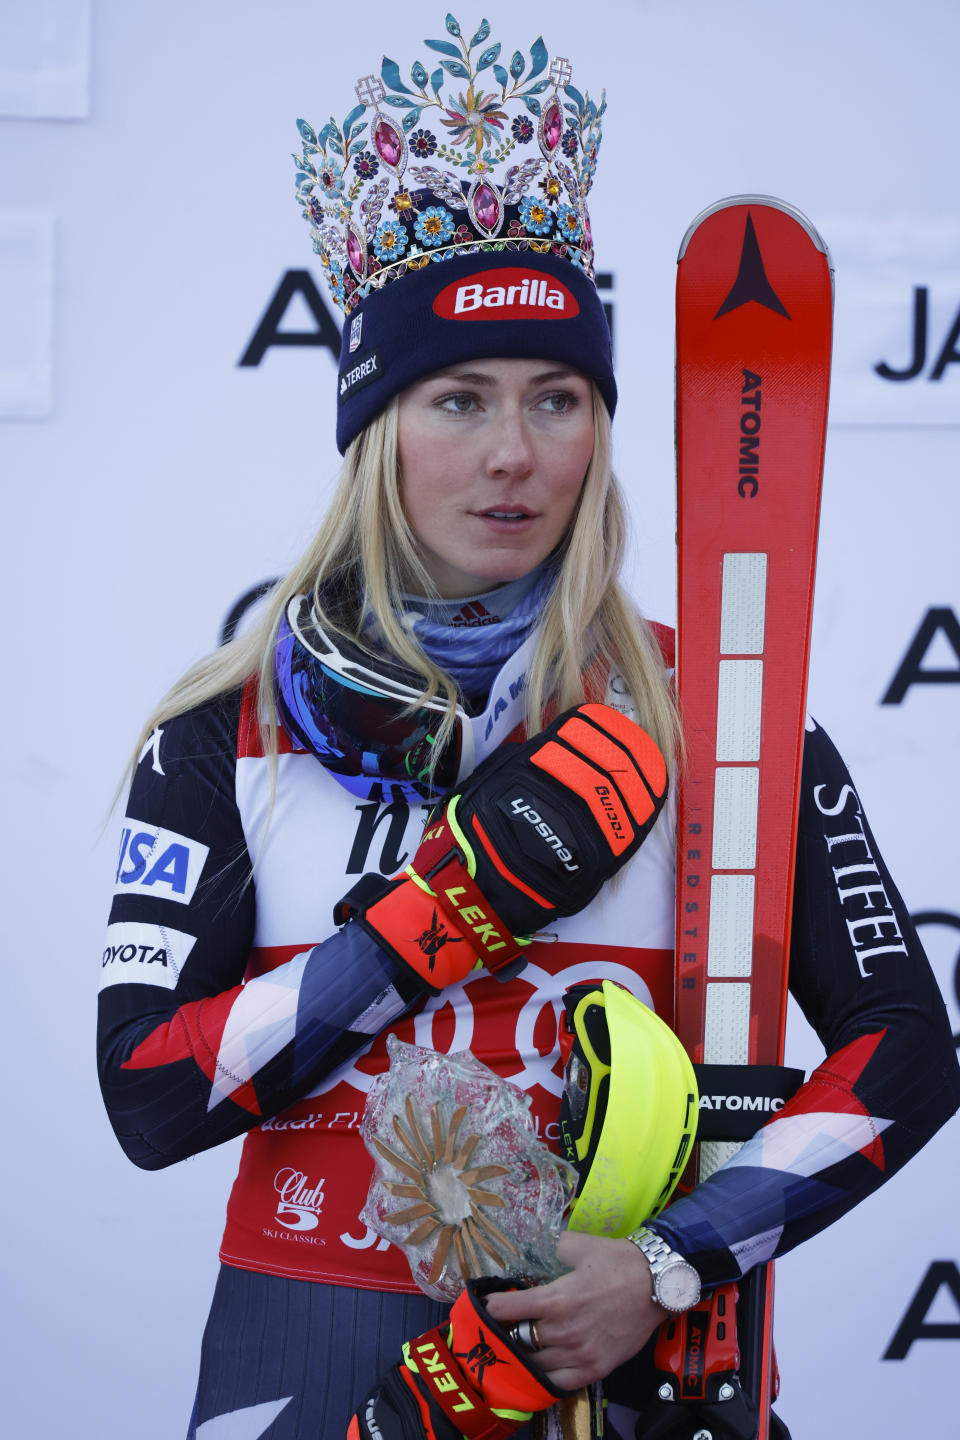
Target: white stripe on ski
point(727, 1037)
point(743, 604)
point(738, 710)
point(736, 791)
point(730, 942)
point(736, 797)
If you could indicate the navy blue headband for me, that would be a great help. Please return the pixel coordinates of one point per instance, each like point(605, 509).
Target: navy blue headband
point(511, 304)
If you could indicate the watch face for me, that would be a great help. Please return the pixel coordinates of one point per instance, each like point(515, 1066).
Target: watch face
point(678, 1286)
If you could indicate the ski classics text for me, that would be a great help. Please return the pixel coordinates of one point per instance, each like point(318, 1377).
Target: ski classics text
point(748, 465)
point(871, 923)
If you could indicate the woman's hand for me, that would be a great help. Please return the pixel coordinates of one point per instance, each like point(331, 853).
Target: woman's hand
point(591, 1319)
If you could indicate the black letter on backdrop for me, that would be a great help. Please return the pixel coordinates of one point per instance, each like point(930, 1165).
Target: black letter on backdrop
point(949, 354)
point(908, 671)
point(326, 336)
point(919, 341)
point(913, 1326)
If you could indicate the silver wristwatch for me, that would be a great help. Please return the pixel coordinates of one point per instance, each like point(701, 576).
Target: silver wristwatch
point(676, 1284)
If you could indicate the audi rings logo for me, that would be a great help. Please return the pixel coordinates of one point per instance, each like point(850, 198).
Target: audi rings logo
point(448, 1023)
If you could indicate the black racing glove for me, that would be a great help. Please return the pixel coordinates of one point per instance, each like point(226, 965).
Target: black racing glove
point(532, 835)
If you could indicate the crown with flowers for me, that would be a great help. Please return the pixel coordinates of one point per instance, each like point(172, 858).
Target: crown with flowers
point(528, 164)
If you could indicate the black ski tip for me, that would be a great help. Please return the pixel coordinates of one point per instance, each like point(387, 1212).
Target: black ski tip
point(751, 282)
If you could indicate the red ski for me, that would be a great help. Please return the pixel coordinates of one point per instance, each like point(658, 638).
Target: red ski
point(754, 318)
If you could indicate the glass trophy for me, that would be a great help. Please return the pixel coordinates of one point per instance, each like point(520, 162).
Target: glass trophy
point(462, 1183)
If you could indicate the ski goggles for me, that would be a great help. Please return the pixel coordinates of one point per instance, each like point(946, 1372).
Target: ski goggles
point(364, 724)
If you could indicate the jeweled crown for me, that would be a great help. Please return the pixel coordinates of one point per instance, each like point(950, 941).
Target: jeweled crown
point(529, 165)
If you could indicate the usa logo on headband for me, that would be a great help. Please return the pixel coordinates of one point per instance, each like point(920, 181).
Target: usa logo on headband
point(513, 293)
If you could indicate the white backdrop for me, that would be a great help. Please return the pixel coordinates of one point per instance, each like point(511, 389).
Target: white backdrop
point(146, 219)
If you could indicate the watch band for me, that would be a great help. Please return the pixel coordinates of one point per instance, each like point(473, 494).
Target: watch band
point(662, 1259)
point(654, 1247)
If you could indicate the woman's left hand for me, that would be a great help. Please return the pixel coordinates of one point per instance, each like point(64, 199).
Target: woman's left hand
point(593, 1318)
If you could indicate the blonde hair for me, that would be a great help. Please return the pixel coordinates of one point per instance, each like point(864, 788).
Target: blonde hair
point(588, 625)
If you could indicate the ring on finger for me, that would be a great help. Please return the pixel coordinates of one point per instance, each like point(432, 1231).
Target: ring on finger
point(525, 1333)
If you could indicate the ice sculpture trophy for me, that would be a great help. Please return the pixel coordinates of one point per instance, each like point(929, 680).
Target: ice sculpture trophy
point(462, 1183)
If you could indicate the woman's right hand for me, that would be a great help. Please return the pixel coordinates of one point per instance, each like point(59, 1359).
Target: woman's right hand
point(533, 834)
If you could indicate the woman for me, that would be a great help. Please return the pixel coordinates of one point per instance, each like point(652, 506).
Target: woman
point(463, 586)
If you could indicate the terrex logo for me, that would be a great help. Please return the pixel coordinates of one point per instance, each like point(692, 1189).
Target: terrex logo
point(361, 374)
point(509, 294)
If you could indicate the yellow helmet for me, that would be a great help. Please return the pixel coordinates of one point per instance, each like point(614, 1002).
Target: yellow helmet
point(629, 1111)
